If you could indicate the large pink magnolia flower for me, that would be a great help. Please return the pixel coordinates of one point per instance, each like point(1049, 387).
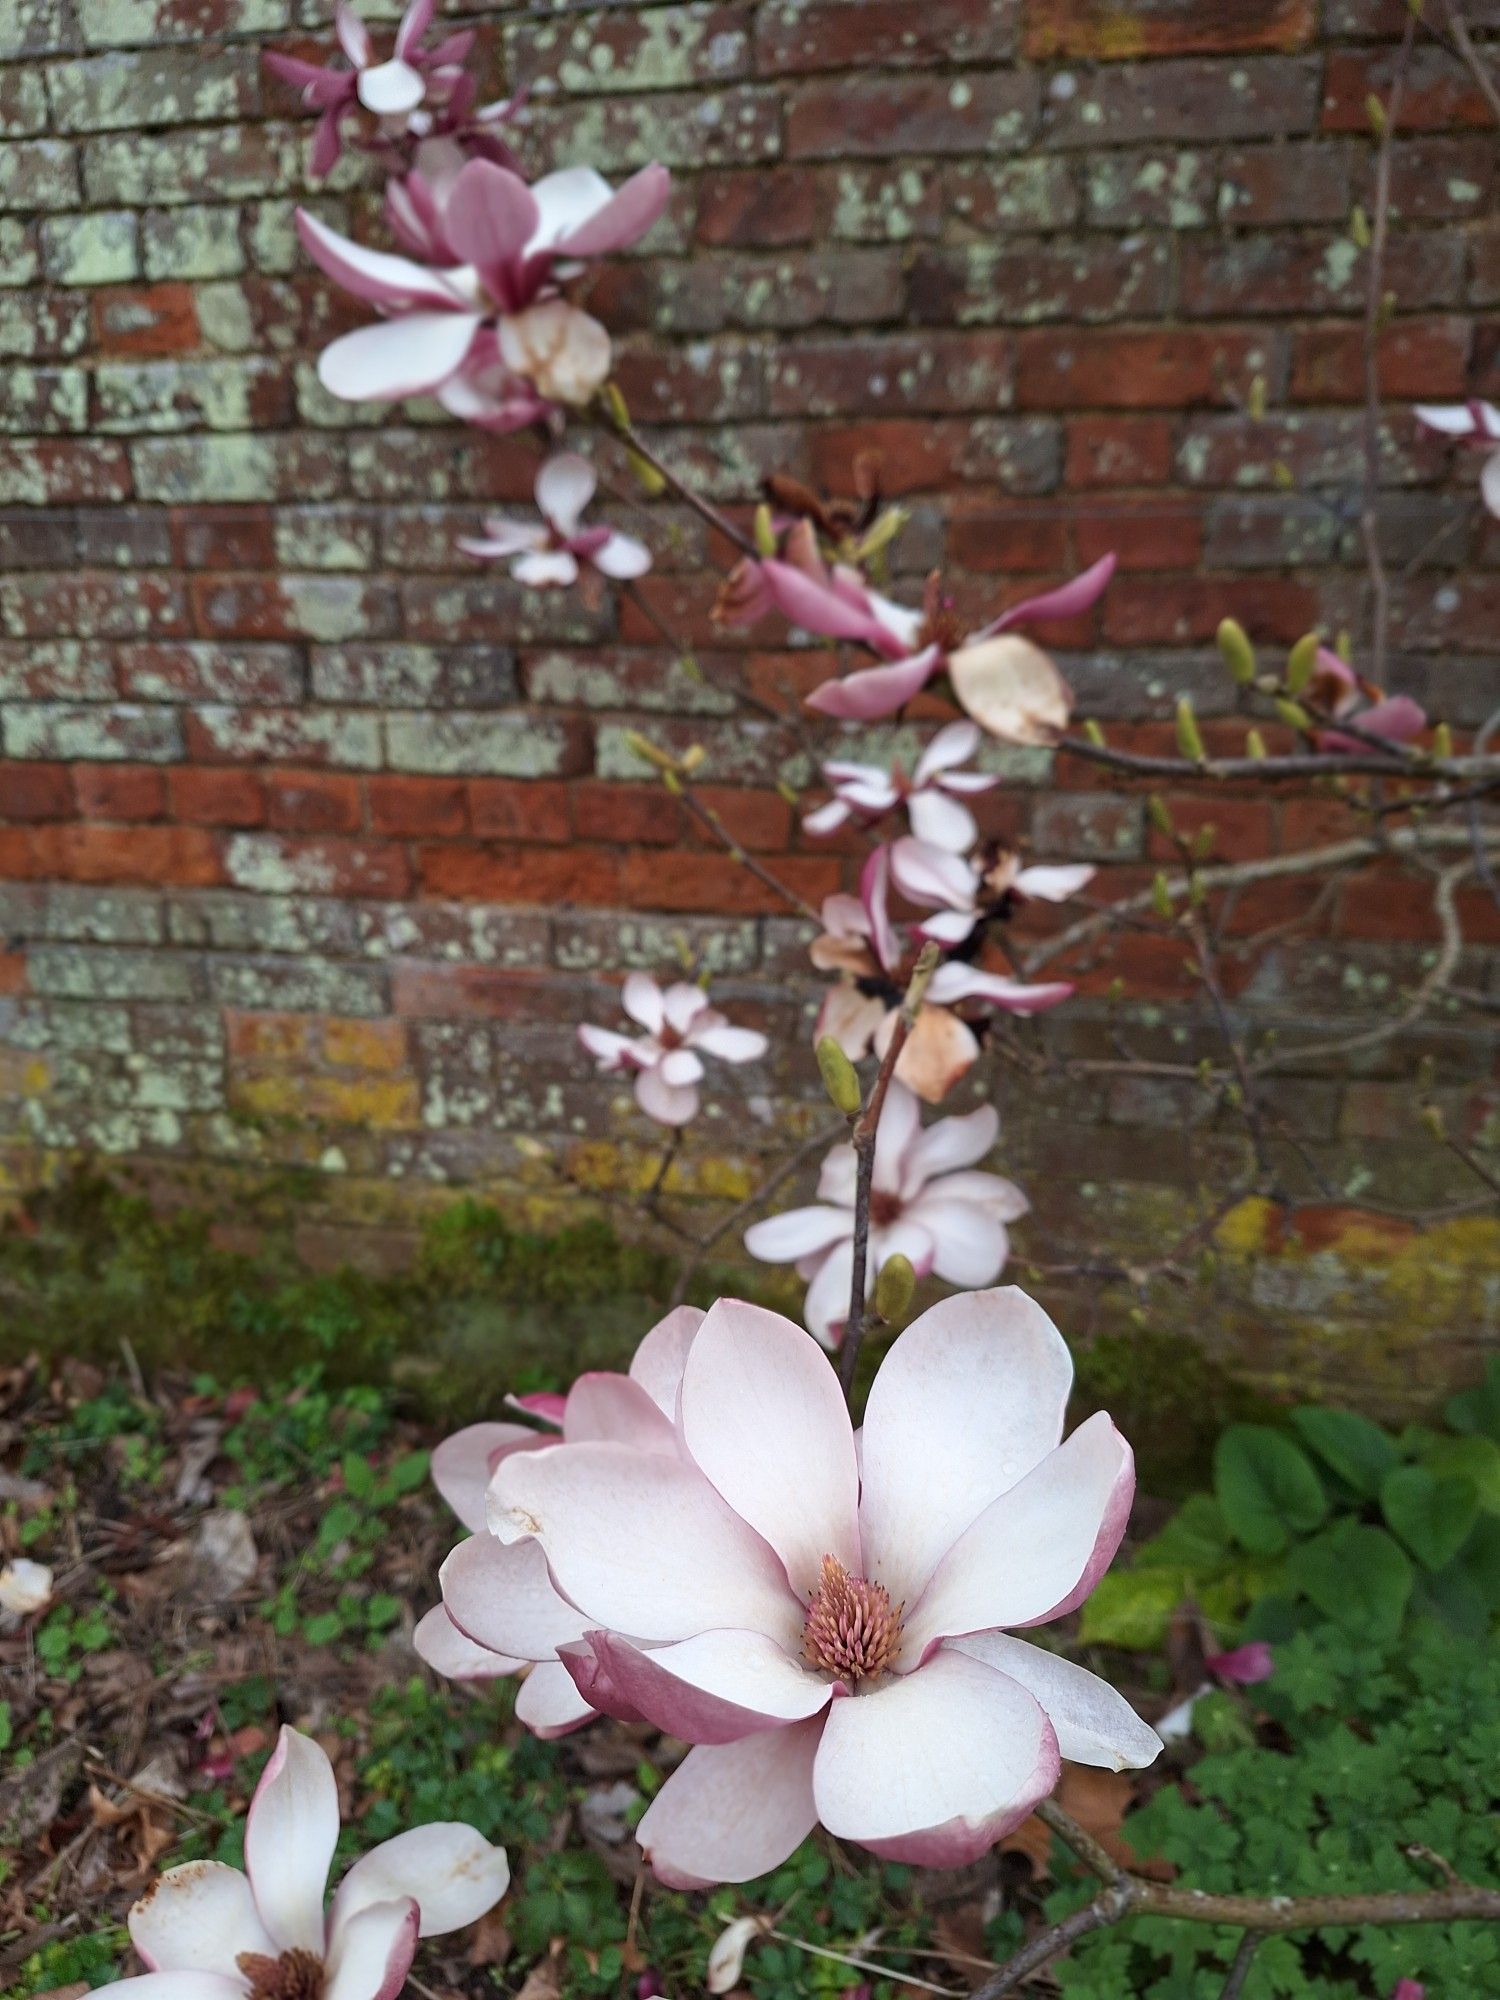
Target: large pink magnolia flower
point(830, 1623)
point(1475, 424)
point(679, 1023)
point(208, 1932)
point(964, 894)
point(1008, 685)
point(487, 330)
point(397, 90)
point(1394, 718)
point(925, 1207)
point(547, 554)
point(932, 795)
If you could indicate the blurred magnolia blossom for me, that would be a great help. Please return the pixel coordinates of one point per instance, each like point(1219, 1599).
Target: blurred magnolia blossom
point(1394, 718)
point(209, 1932)
point(395, 91)
point(925, 1206)
point(830, 1627)
point(1476, 424)
point(678, 1023)
point(547, 554)
point(483, 325)
point(932, 795)
point(964, 892)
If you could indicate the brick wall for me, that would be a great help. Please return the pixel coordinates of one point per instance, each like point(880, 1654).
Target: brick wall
point(314, 841)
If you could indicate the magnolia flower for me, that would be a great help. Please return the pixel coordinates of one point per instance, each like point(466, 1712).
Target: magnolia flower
point(931, 795)
point(830, 1624)
point(925, 1206)
point(1476, 424)
point(1394, 718)
point(392, 90)
point(1008, 685)
point(208, 1932)
point(678, 1023)
point(964, 894)
point(548, 553)
point(492, 318)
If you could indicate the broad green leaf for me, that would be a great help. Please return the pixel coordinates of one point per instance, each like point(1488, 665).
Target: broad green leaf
point(1358, 1451)
point(1478, 1409)
point(1356, 1575)
point(1472, 1458)
point(1432, 1513)
point(1132, 1608)
point(1267, 1487)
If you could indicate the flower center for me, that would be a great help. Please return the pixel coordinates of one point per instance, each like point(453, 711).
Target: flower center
point(852, 1628)
point(885, 1208)
point(296, 1975)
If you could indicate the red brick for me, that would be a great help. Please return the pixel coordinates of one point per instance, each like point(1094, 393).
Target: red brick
point(146, 319)
point(1119, 451)
point(216, 797)
point(1103, 30)
point(421, 806)
point(520, 809)
point(121, 791)
point(35, 791)
point(313, 802)
point(1156, 370)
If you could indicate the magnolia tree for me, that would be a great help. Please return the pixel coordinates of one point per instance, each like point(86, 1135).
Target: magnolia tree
point(835, 1619)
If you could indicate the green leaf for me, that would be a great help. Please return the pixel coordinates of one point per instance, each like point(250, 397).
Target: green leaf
point(1432, 1513)
point(1358, 1451)
point(1473, 1458)
point(1132, 1608)
point(1478, 1409)
point(1356, 1575)
point(1267, 1488)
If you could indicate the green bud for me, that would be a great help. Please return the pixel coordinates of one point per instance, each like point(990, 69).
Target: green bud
point(1239, 654)
point(1301, 660)
point(1161, 899)
point(894, 1289)
point(765, 530)
point(1189, 741)
point(840, 1078)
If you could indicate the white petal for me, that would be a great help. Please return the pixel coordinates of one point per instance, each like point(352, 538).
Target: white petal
point(197, 1918)
point(732, 1811)
point(970, 1397)
point(948, 1144)
point(622, 557)
point(549, 1704)
point(1036, 1551)
point(764, 1417)
point(398, 357)
point(564, 487)
point(1094, 1725)
point(934, 1767)
point(290, 1833)
point(390, 88)
point(440, 1645)
point(952, 746)
point(501, 1595)
point(941, 822)
point(782, 1239)
point(643, 1001)
point(643, 1544)
point(659, 1360)
point(462, 1464)
point(970, 1244)
point(371, 1954)
point(450, 1871)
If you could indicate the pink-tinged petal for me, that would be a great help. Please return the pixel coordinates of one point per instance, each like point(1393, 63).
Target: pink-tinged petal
point(390, 89)
point(955, 981)
point(611, 1051)
point(874, 692)
point(714, 1688)
point(489, 216)
point(622, 558)
point(825, 1310)
point(934, 1767)
point(354, 36)
point(970, 1243)
point(662, 1355)
point(667, 1103)
point(967, 1401)
point(953, 745)
point(501, 1595)
point(946, 1146)
point(197, 1918)
point(462, 1464)
point(765, 1419)
point(643, 1001)
point(874, 894)
point(182, 1986)
point(1067, 601)
point(374, 275)
point(641, 1543)
point(1450, 419)
point(371, 1953)
point(1489, 483)
point(940, 822)
point(415, 22)
point(611, 1409)
point(1012, 689)
point(933, 875)
point(440, 1645)
point(816, 606)
point(290, 1834)
point(939, 1050)
point(1093, 1724)
point(564, 487)
point(799, 1232)
point(732, 1811)
point(397, 357)
point(730, 1044)
point(549, 1705)
point(1037, 1551)
point(622, 220)
point(1054, 885)
point(1246, 1666)
point(449, 1870)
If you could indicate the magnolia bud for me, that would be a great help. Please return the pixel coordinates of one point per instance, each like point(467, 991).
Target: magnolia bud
point(840, 1078)
point(894, 1289)
point(1301, 660)
point(1239, 654)
point(1189, 741)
